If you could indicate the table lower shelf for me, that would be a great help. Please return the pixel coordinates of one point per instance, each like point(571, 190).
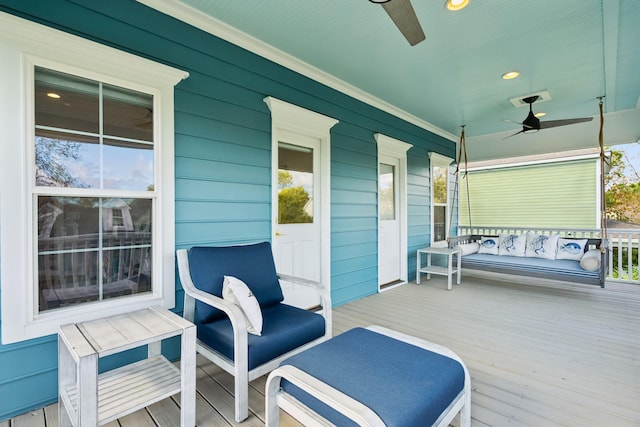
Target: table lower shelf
point(434, 269)
point(125, 390)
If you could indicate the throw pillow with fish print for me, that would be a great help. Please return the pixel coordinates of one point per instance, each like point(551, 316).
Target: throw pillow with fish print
point(542, 246)
point(488, 245)
point(571, 249)
point(512, 244)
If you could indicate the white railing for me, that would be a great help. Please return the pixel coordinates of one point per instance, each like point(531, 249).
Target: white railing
point(624, 257)
point(581, 233)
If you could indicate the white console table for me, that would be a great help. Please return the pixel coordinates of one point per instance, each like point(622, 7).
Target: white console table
point(88, 399)
point(430, 269)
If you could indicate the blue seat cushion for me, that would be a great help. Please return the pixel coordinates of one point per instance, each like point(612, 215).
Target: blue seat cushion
point(253, 264)
point(284, 328)
point(404, 384)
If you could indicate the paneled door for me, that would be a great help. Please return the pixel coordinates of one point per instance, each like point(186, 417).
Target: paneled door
point(297, 226)
point(389, 261)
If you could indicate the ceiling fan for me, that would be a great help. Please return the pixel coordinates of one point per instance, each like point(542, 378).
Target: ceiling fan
point(402, 14)
point(533, 124)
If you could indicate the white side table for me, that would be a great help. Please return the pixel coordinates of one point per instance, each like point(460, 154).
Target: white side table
point(88, 399)
point(430, 269)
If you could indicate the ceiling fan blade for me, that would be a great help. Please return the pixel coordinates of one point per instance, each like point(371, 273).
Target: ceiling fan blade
point(522, 131)
point(402, 14)
point(556, 123)
point(518, 123)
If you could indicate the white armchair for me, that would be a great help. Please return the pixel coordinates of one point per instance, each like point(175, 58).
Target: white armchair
point(222, 325)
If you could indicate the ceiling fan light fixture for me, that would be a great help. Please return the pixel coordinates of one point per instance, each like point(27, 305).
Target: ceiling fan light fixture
point(510, 75)
point(455, 5)
point(379, 1)
point(540, 114)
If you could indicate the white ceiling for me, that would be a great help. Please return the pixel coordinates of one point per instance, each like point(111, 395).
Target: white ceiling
point(577, 50)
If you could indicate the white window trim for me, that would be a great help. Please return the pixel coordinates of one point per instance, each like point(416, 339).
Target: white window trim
point(23, 44)
point(436, 159)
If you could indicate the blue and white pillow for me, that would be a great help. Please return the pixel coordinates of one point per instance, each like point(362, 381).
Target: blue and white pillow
point(488, 245)
point(571, 249)
point(512, 244)
point(541, 246)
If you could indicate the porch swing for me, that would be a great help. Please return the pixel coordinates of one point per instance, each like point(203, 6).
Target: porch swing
point(540, 253)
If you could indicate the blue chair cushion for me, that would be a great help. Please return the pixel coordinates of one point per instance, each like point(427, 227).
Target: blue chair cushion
point(253, 264)
point(284, 328)
point(404, 384)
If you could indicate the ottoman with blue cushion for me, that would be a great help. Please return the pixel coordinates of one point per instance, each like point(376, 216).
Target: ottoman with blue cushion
point(371, 377)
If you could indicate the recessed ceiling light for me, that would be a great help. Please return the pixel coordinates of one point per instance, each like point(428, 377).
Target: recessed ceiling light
point(456, 4)
point(540, 114)
point(53, 95)
point(510, 75)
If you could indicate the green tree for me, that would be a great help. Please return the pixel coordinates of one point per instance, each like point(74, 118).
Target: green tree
point(385, 196)
point(622, 195)
point(623, 202)
point(440, 184)
point(291, 201)
point(616, 173)
point(284, 179)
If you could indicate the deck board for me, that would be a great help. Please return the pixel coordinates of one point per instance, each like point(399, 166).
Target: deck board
point(540, 353)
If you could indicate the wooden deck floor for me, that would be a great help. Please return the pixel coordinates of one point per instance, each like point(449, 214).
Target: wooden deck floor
point(539, 354)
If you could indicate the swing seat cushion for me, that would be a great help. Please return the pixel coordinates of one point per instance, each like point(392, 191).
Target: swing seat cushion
point(537, 267)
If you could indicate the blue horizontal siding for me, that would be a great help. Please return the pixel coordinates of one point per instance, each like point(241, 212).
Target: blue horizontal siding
point(28, 375)
point(362, 262)
point(345, 238)
point(356, 291)
point(353, 278)
point(217, 132)
point(195, 147)
point(212, 211)
point(352, 197)
point(223, 159)
point(353, 170)
point(354, 251)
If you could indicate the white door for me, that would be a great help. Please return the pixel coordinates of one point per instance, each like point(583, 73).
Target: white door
point(297, 225)
point(389, 254)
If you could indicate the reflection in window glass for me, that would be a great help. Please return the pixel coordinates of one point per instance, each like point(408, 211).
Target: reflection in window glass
point(127, 165)
point(91, 135)
point(295, 184)
point(439, 223)
point(65, 101)
point(386, 194)
point(67, 160)
point(439, 184)
point(439, 177)
point(91, 249)
point(127, 113)
point(71, 148)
